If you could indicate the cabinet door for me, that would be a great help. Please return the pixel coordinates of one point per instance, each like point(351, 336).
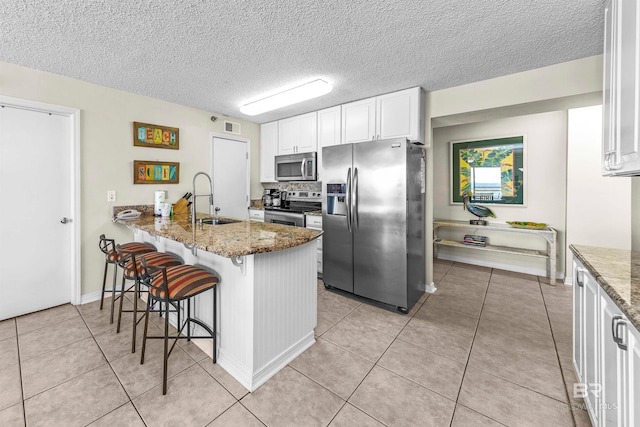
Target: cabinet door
point(629, 86)
point(287, 135)
point(633, 375)
point(329, 132)
point(610, 125)
point(307, 133)
point(398, 115)
point(268, 150)
point(298, 134)
point(590, 368)
point(359, 121)
point(578, 317)
point(612, 366)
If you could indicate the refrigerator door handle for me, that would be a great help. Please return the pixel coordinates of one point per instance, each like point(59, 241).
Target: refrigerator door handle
point(348, 195)
point(354, 202)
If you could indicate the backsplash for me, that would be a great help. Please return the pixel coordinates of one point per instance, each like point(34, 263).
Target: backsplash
point(294, 186)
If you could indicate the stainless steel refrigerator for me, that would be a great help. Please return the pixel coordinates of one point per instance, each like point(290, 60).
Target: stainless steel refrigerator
point(373, 220)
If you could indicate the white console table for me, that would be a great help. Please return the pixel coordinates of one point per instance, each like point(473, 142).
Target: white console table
point(547, 233)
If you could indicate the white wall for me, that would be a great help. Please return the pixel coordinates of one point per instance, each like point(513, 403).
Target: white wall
point(510, 95)
point(107, 150)
point(545, 177)
point(598, 208)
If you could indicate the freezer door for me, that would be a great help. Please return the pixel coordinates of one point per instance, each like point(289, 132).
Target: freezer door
point(380, 221)
point(337, 244)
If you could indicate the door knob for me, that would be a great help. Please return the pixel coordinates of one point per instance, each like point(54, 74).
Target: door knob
point(65, 220)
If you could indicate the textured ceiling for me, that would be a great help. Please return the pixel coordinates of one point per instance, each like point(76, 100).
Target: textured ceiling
point(216, 56)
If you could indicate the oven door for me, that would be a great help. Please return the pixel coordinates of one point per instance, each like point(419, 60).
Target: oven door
point(285, 218)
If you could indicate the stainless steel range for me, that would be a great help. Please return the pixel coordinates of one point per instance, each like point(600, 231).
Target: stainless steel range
point(292, 207)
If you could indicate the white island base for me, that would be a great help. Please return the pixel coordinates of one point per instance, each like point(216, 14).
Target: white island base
point(267, 307)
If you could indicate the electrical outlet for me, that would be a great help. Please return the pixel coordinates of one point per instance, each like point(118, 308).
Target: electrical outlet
point(111, 196)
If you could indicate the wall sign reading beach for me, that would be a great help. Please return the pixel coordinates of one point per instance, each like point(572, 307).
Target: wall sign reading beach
point(147, 135)
point(491, 170)
point(153, 172)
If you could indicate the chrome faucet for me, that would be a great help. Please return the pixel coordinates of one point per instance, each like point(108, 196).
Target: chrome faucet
point(195, 197)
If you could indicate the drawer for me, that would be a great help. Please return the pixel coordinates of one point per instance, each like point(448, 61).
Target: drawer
point(319, 239)
point(320, 266)
point(314, 221)
point(256, 214)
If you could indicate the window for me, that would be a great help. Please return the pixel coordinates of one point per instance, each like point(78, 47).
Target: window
point(490, 171)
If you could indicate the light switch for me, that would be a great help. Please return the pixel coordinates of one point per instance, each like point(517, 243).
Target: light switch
point(111, 196)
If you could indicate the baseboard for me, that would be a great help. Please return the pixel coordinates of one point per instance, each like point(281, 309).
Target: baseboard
point(92, 296)
point(252, 382)
point(508, 267)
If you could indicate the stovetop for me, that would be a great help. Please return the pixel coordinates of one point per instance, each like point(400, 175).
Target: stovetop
point(299, 202)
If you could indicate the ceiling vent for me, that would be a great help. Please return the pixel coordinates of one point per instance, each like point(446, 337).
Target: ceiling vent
point(232, 127)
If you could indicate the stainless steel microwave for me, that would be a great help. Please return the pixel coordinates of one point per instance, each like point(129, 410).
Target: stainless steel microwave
point(296, 167)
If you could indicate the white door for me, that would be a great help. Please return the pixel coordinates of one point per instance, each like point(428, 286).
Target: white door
point(230, 173)
point(35, 198)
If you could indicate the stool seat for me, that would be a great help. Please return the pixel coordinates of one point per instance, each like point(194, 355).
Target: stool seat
point(134, 247)
point(184, 281)
point(133, 271)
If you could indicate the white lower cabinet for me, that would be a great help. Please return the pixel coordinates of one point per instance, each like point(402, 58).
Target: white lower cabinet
point(606, 354)
point(256, 215)
point(315, 222)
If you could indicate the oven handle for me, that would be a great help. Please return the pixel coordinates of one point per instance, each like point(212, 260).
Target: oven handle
point(284, 218)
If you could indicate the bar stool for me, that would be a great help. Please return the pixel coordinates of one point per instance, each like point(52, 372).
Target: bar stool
point(108, 248)
point(132, 270)
point(171, 285)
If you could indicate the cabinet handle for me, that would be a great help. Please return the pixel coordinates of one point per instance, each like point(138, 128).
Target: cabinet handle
point(616, 323)
point(608, 163)
point(580, 270)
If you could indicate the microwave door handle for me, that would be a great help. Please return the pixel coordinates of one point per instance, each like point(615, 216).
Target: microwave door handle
point(302, 168)
point(348, 196)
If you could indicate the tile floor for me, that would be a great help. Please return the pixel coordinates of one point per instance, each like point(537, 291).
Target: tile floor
point(489, 348)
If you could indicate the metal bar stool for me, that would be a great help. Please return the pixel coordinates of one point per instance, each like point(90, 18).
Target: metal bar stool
point(132, 270)
point(172, 285)
point(108, 248)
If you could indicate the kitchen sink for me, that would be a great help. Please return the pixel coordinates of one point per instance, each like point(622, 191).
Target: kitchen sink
point(217, 221)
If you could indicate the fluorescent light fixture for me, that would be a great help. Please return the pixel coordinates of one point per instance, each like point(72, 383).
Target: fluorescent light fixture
point(287, 97)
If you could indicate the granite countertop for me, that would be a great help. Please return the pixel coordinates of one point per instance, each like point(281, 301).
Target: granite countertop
point(227, 240)
point(618, 272)
point(314, 213)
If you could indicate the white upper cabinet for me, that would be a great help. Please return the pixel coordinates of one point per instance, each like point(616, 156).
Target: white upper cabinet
point(621, 89)
point(298, 134)
point(359, 121)
point(399, 115)
point(394, 115)
point(329, 131)
point(268, 151)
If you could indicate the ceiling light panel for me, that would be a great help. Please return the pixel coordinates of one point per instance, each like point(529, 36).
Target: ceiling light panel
point(291, 96)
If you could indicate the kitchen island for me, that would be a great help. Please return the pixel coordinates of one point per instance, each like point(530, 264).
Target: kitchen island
point(267, 293)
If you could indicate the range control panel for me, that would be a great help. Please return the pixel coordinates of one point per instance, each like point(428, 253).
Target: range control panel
point(305, 196)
